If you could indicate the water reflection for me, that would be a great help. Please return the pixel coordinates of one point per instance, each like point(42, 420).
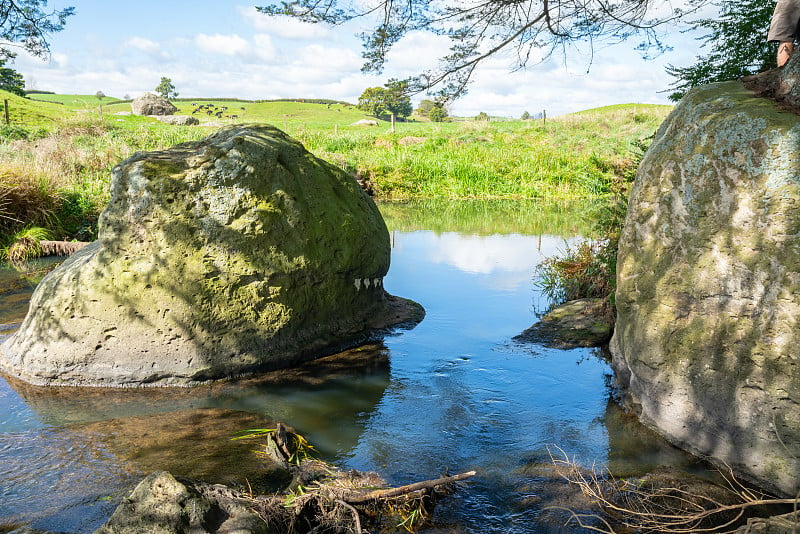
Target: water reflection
point(455, 392)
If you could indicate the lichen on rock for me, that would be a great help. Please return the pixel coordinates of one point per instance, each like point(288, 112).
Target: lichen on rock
point(708, 284)
point(237, 253)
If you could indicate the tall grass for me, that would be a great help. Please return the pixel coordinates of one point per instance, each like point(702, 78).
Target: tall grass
point(61, 181)
point(55, 173)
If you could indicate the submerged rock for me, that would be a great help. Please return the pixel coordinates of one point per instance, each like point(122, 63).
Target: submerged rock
point(237, 253)
point(577, 323)
point(708, 298)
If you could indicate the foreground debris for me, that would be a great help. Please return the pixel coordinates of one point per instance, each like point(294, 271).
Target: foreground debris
point(319, 498)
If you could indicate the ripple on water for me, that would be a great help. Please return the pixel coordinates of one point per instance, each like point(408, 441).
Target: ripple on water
point(47, 474)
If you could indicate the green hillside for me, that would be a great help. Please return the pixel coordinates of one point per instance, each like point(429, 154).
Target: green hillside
point(72, 100)
point(56, 158)
point(25, 112)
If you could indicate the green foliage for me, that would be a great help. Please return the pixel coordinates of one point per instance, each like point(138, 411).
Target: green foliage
point(100, 95)
point(587, 269)
point(736, 43)
point(438, 113)
point(25, 245)
point(166, 89)
point(382, 102)
point(425, 107)
point(61, 180)
point(11, 80)
point(24, 24)
point(525, 116)
point(482, 116)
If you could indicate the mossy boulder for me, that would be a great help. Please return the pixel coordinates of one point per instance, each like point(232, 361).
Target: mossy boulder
point(706, 340)
point(237, 253)
point(577, 323)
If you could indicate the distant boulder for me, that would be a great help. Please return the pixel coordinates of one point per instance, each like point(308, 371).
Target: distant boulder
point(178, 120)
point(365, 122)
point(150, 104)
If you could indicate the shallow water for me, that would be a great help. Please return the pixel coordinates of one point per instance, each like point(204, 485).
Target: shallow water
point(455, 392)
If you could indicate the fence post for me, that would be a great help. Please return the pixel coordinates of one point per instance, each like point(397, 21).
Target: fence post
point(544, 116)
point(5, 111)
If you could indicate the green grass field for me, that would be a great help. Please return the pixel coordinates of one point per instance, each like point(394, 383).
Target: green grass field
point(56, 157)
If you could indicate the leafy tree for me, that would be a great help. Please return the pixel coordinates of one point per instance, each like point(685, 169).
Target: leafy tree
point(425, 107)
point(482, 116)
point(438, 113)
point(433, 110)
point(166, 89)
point(382, 102)
point(23, 24)
point(479, 30)
point(736, 40)
point(100, 95)
point(525, 116)
point(11, 80)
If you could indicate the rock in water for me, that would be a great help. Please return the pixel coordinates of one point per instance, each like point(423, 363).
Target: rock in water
point(150, 104)
point(162, 504)
point(708, 299)
point(237, 253)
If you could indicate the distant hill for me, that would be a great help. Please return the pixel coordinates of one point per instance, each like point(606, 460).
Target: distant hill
point(23, 111)
point(70, 100)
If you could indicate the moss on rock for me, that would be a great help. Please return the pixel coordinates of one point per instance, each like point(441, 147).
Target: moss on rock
point(708, 279)
point(236, 253)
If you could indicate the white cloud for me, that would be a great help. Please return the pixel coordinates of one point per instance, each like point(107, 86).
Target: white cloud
point(283, 27)
point(227, 45)
point(145, 45)
point(264, 48)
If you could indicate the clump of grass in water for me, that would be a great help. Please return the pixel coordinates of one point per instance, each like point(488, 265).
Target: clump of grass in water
point(26, 245)
point(588, 268)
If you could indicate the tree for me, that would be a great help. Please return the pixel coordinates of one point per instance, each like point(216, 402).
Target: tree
point(438, 113)
point(479, 30)
point(382, 102)
point(11, 80)
point(482, 116)
point(737, 45)
point(166, 89)
point(425, 107)
point(100, 95)
point(24, 25)
point(525, 116)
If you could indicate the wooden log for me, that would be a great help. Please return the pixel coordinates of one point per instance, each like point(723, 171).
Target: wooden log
point(61, 248)
point(356, 497)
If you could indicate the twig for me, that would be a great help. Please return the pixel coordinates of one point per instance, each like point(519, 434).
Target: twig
point(356, 517)
point(355, 497)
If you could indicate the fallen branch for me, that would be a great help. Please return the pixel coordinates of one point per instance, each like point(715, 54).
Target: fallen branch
point(60, 248)
point(660, 509)
point(357, 497)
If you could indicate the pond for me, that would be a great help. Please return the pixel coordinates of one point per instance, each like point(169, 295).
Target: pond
point(456, 392)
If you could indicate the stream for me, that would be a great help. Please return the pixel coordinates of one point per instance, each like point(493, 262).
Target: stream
point(456, 392)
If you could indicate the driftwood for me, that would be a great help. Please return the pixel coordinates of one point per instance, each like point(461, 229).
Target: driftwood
point(358, 497)
point(60, 248)
point(322, 496)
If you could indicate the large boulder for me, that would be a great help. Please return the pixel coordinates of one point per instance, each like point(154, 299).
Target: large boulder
point(150, 104)
point(237, 253)
point(708, 284)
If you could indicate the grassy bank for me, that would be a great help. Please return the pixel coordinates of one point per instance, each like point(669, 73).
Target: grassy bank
point(56, 157)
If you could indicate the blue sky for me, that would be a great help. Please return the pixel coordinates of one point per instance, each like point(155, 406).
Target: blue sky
point(227, 49)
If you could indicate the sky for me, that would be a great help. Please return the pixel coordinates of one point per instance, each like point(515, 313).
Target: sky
point(228, 49)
